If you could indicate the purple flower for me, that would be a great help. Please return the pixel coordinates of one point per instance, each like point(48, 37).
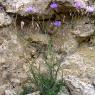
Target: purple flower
point(79, 4)
point(90, 9)
point(54, 5)
point(29, 9)
point(57, 23)
point(1, 8)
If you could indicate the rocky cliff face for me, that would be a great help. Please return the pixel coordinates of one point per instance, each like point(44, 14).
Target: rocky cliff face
point(26, 26)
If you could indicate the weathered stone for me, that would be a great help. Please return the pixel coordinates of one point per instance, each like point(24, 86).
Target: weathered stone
point(19, 6)
point(35, 93)
point(10, 92)
point(16, 48)
point(40, 7)
point(3, 88)
point(81, 66)
point(63, 91)
point(83, 27)
point(70, 45)
point(77, 87)
point(37, 37)
point(17, 81)
point(11, 63)
point(82, 60)
point(5, 19)
point(2, 59)
point(65, 42)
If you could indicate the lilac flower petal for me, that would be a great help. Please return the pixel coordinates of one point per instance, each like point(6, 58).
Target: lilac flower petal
point(54, 5)
point(1, 8)
point(57, 23)
point(79, 4)
point(29, 9)
point(90, 9)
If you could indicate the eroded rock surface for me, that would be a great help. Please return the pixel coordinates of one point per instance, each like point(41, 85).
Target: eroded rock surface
point(19, 6)
point(78, 87)
point(22, 37)
point(79, 70)
point(5, 19)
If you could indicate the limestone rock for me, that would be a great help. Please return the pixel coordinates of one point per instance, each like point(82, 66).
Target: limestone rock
point(10, 92)
point(83, 27)
point(65, 42)
point(18, 6)
point(37, 37)
point(3, 88)
point(35, 93)
point(10, 58)
point(15, 48)
point(78, 87)
point(63, 91)
point(70, 45)
point(5, 19)
point(81, 66)
point(40, 7)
